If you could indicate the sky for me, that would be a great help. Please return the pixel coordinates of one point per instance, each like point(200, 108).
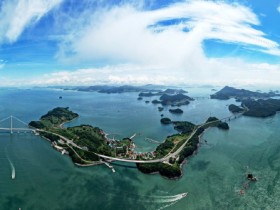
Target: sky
point(169, 42)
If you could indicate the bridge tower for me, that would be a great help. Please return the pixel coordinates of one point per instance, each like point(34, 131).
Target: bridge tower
point(11, 124)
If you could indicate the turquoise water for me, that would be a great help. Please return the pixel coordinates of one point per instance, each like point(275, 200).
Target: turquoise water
point(213, 177)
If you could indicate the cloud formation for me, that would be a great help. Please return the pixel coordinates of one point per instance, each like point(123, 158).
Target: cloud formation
point(136, 45)
point(219, 72)
point(16, 15)
point(165, 36)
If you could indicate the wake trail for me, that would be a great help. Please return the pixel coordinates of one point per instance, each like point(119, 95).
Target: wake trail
point(13, 170)
point(168, 199)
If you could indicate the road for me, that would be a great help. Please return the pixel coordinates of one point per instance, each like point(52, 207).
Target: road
point(166, 158)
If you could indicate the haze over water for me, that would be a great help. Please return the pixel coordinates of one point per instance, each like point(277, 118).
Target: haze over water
point(213, 177)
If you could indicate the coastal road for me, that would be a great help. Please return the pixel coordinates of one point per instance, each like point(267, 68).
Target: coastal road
point(166, 158)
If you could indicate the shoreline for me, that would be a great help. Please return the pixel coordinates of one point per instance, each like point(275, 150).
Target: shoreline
point(62, 124)
point(182, 164)
point(95, 163)
point(88, 164)
point(172, 171)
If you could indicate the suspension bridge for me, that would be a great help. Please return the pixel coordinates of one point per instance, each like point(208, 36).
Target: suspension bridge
point(8, 124)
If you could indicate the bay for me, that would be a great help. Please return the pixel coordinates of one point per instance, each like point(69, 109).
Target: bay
point(213, 177)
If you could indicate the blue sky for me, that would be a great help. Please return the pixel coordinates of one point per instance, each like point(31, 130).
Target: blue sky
point(87, 42)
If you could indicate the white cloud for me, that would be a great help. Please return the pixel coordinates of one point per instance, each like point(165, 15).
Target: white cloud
point(139, 50)
point(278, 8)
point(218, 72)
point(169, 54)
point(16, 15)
point(128, 34)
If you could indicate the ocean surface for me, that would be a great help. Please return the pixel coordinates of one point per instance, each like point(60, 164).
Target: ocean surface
point(213, 177)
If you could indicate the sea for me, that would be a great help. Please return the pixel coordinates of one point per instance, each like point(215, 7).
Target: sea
point(215, 177)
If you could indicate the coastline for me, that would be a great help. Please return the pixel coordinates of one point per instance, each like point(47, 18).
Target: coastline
point(170, 166)
point(89, 164)
point(181, 164)
point(62, 124)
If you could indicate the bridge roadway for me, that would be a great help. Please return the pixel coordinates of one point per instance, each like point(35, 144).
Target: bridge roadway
point(17, 129)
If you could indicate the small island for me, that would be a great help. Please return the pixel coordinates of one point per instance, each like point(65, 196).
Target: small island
point(149, 94)
point(156, 102)
point(165, 121)
point(176, 111)
point(175, 100)
point(168, 91)
point(235, 109)
point(160, 109)
point(223, 126)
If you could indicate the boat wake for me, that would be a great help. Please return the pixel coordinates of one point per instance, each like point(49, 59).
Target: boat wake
point(158, 202)
point(169, 198)
point(11, 164)
point(12, 168)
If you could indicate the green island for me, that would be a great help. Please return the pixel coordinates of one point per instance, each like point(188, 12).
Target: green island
point(235, 109)
point(175, 100)
point(80, 142)
point(261, 107)
point(168, 91)
point(160, 109)
point(176, 111)
point(253, 104)
point(240, 94)
point(88, 145)
point(173, 97)
point(190, 136)
point(167, 99)
point(165, 121)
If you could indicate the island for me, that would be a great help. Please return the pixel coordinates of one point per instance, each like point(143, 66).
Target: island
point(160, 109)
point(240, 94)
point(168, 91)
point(182, 145)
point(223, 126)
point(165, 121)
point(175, 100)
point(88, 145)
point(261, 107)
point(117, 89)
point(176, 111)
point(169, 96)
point(235, 109)
point(149, 94)
point(156, 102)
point(82, 142)
point(167, 99)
